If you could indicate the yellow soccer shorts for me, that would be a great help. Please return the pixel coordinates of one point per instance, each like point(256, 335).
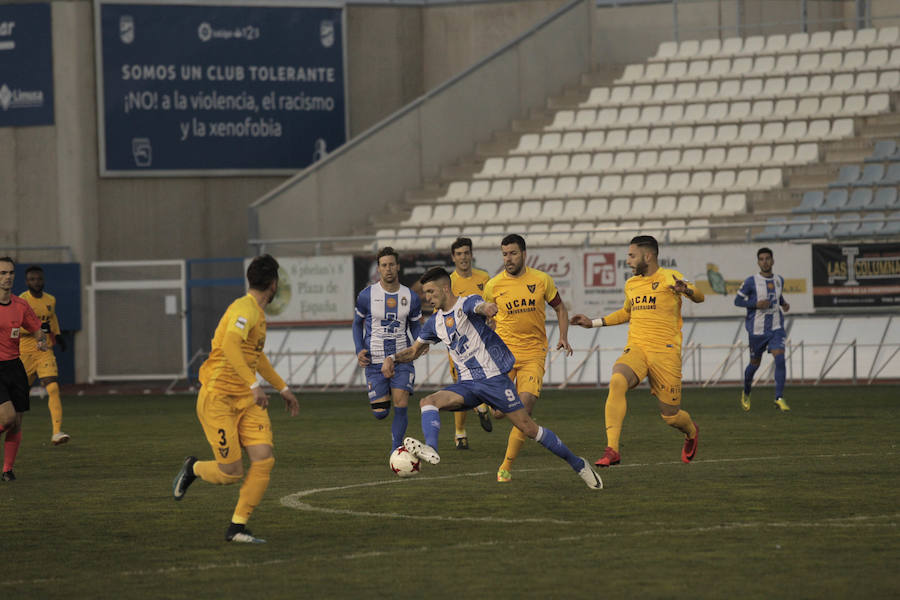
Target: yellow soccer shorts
point(662, 368)
point(41, 363)
point(528, 373)
point(232, 422)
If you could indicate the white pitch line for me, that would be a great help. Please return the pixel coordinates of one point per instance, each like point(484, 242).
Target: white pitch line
point(293, 500)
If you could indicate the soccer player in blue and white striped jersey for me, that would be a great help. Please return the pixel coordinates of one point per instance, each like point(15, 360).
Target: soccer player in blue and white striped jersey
point(761, 295)
point(387, 312)
point(483, 362)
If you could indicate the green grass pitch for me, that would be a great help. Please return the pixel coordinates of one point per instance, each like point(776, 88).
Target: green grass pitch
point(796, 505)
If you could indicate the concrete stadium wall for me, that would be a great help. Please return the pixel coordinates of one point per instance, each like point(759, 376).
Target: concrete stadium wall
point(338, 194)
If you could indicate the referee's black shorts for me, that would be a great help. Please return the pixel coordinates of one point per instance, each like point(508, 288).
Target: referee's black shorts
point(14, 384)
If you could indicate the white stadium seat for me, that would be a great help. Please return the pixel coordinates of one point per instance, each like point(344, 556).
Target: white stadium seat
point(521, 188)
point(464, 213)
point(530, 211)
point(572, 140)
point(597, 208)
point(666, 205)
point(420, 215)
point(710, 47)
point(619, 207)
point(732, 45)
point(573, 210)
point(536, 164)
point(509, 211)
point(486, 212)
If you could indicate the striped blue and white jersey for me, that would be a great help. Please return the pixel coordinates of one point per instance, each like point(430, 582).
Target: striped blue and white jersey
point(762, 321)
point(386, 317)
point(476, 350)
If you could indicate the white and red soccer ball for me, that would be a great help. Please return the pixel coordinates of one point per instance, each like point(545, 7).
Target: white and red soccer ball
point(403, 463)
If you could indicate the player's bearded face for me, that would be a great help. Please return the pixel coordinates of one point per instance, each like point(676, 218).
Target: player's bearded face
point(35, 282)
point(513, 258)
point(388, 269)
point(637, 260)
point(765, 262)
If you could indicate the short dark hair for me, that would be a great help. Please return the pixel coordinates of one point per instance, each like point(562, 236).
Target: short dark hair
point(764, 250)
point(387, 251)
point(646, 241)
point(34, 269)
point(7, 259)
point(514, 238)
point(434, 274)
point(459, 243)
point(261, 272)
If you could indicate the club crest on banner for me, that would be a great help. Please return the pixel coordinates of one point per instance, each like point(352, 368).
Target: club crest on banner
point(126, 29)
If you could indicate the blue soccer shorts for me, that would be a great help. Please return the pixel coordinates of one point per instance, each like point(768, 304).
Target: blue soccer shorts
point(498, 391)
point(380, 386)
point(773, 340)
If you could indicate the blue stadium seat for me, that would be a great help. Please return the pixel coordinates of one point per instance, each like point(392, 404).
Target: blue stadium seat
point(892, 227)
point(835, 200)
point(797, 229)
point(774, 230)
point(871, 175)
point(846, 227)
point(812, 201)
point(885, 199)
point(892, 176)
point(859, 200)
point(882, 151)
point(872, 224)
point(846, 176)
point(820, 229)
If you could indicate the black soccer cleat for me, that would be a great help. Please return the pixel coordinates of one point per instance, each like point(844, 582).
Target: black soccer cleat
point(184, 479)
point(8, 476)
point(484, 417)
point(462, 443)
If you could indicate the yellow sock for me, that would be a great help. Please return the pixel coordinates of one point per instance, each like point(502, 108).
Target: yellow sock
point(55, 406)
point(682, 422)
point(252, 491)
point(209, 471)
point(513, 446)
point(459, 418)
point(615, 409)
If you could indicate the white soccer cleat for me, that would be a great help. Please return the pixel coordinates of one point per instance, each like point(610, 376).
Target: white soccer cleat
point(590, 477)
point(59, 438)
point(421, 451)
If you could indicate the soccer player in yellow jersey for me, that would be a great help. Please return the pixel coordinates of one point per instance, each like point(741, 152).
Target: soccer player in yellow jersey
point(520, 293)
point(465, 280)
point(42, 365)
point(232, 406)
point(653, 311)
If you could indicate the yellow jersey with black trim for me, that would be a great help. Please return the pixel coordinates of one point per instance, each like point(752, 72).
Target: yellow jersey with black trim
point(244, 317)
point(521, 309)
point(467, 286)
point(655, 310)
point(45, 309)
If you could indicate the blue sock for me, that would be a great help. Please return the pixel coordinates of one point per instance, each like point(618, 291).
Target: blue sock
point(431, 425)
point(398, 426)
point(749, 372)
point(551, 442)
point(780, 373)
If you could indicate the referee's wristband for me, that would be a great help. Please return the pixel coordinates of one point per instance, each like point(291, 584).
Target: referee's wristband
point(598, 322)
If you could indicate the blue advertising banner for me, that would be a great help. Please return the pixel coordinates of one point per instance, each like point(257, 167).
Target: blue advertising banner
point(218, 90)
point(26, 65)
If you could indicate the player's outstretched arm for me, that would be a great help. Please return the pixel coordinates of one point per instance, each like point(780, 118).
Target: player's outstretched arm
point(581, 321)
point(487, 309)
point(408, 355)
